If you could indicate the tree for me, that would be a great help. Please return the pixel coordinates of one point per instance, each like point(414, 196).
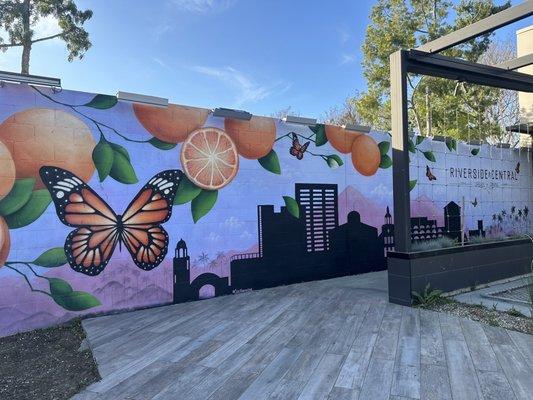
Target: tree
point(345, 114)
point(436, 106)
point(18, 17)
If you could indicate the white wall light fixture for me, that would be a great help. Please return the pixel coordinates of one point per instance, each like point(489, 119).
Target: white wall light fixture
point(292, 119)
point(231, 113)
point(141, 98)
point(6, 76)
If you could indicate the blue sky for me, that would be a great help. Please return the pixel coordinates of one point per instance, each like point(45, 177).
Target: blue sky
point(257, 55)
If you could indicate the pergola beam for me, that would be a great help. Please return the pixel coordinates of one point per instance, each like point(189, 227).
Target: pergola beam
point(438, 65)
point(517, 63)
point(486, 25)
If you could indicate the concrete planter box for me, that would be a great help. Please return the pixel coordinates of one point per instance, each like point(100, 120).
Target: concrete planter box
point(456, 268)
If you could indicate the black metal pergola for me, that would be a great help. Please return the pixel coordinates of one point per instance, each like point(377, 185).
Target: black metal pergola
point(425, 60)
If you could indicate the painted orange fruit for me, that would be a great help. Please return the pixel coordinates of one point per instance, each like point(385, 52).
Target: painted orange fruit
point(255, 138)
point(42, 136)
point(366, 156)
point(5, 242)
point(7, 171)
point(170, 124)
point(209, 158)
point(340, 138)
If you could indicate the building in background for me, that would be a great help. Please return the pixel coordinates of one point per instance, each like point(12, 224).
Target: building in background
point(524, 46)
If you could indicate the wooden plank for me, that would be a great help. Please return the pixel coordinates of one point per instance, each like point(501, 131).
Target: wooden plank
point(408, 353)
point(287, 389)
point(267, 380)
point(495, 386)
point(387, 339)
point(353, 371)
point(524, 343)
point(378, 380)
point(406, 381)
point(450, 327)
point(322, 380)
point(434, 382)
point(431, 345)
point(497, 335)
point(463, 379)
point(338, 393)
point(481, 351)
point(305, 365)
point(516, 369)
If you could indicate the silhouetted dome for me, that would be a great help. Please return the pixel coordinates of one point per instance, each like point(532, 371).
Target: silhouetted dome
point(181, 245)
point(354, 217)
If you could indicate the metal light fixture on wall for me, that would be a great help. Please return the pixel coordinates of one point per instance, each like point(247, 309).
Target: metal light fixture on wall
point(292, 119)
point(231, 113)
point(142, 98)
point(6, 76)
point(357, 128)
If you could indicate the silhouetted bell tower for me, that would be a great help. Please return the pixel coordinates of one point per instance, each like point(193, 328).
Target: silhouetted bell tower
point(181, 273)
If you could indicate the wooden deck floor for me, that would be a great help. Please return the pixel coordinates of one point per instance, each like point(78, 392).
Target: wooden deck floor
point(334, 339)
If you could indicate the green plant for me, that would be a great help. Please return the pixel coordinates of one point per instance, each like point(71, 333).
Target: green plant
point(428, 297)
point(515, 313)
point(435, 244)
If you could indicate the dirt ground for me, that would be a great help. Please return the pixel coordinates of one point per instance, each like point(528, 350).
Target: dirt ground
point(45, 364)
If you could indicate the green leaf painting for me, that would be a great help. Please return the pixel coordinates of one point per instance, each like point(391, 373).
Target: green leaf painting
point(429, 156)
point(270, 162)
point(334, 161)
point(412, 184)
point(320, 134)
point(117, 148)
point(203, 203)
point(292, 206)
point(102, 102)
point(161, 145)
point(386, 162)
point(122, 170)
point(384, 147)
point(103, 156)
point(52, 258)
point(451, 144)
point(18, 196)
point(186, 192)
point(411, 146)
point(33, 209)
point(71, 300)
point(420, 139)
point(475, 151)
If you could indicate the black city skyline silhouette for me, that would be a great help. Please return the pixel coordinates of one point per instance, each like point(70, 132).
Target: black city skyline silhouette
point(311, 247)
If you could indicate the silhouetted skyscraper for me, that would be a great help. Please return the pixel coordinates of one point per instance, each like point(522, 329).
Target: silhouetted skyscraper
point(452, 220)
point(387, 232)
point(319, 205)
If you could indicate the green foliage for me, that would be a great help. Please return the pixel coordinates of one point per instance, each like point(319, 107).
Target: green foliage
point(320, 134)
point(203, 203)
point(18, 196)
point(187, 191)
point(515, 313)
point(397, 24)
point(30, 211)
point(435, 244)
point(18, 17)
point(270, 162)
point(334, 161)
point(428, 298)
point(161, 145)
point(102, 102)
point(52, 258)
point(63, 294)
point(103, 158)
point(292, 206)
point(121, 169)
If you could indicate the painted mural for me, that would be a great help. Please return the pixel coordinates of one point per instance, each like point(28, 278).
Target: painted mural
point(108, 205)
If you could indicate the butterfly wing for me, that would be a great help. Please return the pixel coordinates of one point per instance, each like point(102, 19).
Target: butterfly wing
point(302, 151)
point(146, 241)
point(76, 203)
point(89, 247)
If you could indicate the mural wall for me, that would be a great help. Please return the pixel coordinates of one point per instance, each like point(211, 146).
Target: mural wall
point(106, 205)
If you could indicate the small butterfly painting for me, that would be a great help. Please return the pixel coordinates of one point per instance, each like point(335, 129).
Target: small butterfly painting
point(297, 150)
point(429, 174)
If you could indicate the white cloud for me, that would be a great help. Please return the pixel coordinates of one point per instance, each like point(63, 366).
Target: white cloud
point(247, 90)
point(160, 62)
point(204, 6)
point(347, 58)
point(381, 191)
point(233, 223)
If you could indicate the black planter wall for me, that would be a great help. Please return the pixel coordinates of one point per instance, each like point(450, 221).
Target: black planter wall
point(456, 268)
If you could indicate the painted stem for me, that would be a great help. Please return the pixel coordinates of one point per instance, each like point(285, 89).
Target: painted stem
point(11, 267)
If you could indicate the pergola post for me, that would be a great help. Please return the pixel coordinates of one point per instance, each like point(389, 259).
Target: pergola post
point(400, 152)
